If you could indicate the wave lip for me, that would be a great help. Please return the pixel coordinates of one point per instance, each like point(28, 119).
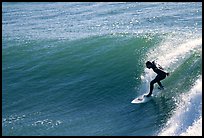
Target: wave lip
point(172, 54)
point(187, 118)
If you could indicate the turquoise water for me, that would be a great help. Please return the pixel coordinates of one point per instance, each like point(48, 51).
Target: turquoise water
point(74, 68)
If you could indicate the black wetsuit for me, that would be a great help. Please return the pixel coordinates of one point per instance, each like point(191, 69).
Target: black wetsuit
point(160, 76)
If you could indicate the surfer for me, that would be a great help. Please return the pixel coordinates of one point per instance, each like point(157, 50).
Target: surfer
point(160, 76)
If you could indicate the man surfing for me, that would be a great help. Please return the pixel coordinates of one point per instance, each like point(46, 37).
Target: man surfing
point(160, 76)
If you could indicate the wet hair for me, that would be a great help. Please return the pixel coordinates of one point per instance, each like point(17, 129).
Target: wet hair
point(148, 62)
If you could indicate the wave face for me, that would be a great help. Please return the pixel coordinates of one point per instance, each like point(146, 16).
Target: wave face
point(69, 69)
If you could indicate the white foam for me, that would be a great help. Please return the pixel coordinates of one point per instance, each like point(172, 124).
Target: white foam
point(187, 118)
point(195, 129)
point(172, 53)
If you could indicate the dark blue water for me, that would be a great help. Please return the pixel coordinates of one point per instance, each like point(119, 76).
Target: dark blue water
point(74, 68)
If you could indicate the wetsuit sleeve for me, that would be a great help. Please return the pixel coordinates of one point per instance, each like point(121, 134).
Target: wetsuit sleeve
point(160, 67)
point(153, 62)
point(158, 70)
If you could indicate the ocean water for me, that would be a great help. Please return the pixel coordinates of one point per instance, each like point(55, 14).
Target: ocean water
point(74, 68)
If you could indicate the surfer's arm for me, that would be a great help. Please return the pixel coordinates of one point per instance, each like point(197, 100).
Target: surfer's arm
point(160, 67)
point(153, 62)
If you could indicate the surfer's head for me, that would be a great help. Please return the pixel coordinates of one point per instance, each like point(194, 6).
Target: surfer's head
point(148, 64)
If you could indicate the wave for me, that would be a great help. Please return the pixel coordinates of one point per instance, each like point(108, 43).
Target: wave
point(172, 55)
point(187, 117)
point(72, 76)
point(183, 60)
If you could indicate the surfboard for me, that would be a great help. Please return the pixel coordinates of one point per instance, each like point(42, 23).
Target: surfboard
point(141, 99)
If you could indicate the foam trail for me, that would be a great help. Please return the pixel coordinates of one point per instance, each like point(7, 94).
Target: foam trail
point(187, 118)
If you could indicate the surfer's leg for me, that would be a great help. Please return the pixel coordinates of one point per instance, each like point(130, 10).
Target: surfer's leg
point(159, 78)
point(160, 85)
point(156, 80)
point(151, 87)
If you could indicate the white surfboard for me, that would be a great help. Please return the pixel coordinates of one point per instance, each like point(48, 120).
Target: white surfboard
point(141, 99)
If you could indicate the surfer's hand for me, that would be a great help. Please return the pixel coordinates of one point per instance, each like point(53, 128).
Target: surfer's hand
point(167, 74)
